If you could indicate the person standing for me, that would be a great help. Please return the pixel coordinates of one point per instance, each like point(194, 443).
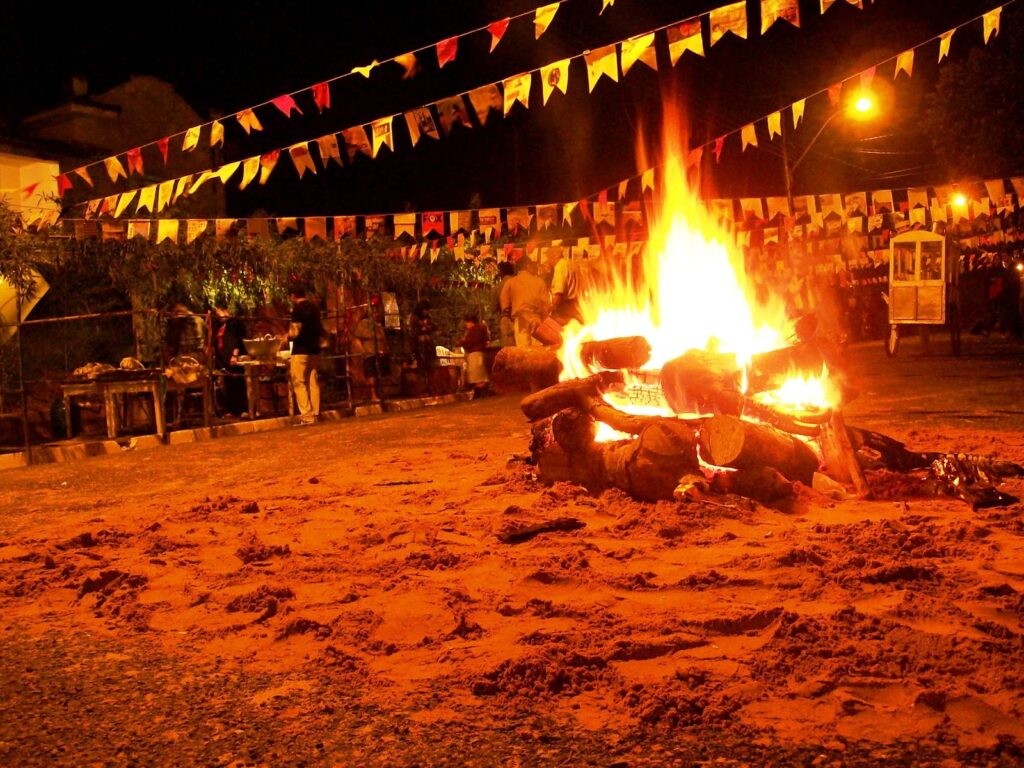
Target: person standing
point(524, 299)
point(305, 332)
point(424, 350)
point(368, 341)
point(565, 302)
point(473, 343)
point(506, 328)
point(229, 347)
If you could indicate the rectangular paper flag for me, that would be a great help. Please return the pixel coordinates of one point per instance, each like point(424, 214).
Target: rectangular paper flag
point(490, 220)
point(917, 198)
point(328, 146)
point(420, 123)
point(639, 48)
point(382, 137)
point(452, 112)
point(729, 18)
point(147, 199)
point(684, 37)
point(315, 227)
point(460, 221)
point(432, 222)
point(601, 61)
point(302, 158)
point(344, 226)
point(139, 229)
point(773, 10)
point(356, 141)
point(167, 229)
point(776, 206)
point(195, 228)
point(554, 76)
point(484, 100)
point(881, 200)
point(405, 224)
point(518, 89)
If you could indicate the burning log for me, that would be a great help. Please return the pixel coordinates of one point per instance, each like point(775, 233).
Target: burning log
point(728, 441)
point(568, 394)
point(840, 459)
point(763, 484)
point(769, 370)
point(627, 352)
point(702, 381)
point(525, 369)
point(573, 429)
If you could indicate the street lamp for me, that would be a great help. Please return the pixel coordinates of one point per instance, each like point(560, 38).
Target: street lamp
point(862, 107)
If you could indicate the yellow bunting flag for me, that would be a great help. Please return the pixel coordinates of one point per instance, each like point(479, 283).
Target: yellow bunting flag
point(684, 37)
point(639, 48)
point(518, 89)
point(250, 167)
point(905, 63)
point(315, 226)
point(83, 174)
point(484, 100)
point(222, 227)
point(382, 134)
point(773, 10)
point(605, 4)
point(991, 22)
point(798, 111)
point(249, 122)
point(191, 140)
point(777, 205)
point(164, 193)
point(647, 180)
point(302, 159)
point(752, 208)
point(180, 187)
point(405, 224)
point(216, 133)
point(356, 141)
point(167, 229)
point(194, 228)
point(420, 123)
point(774, 125)
point(729, 18)
point(881, 200)
point(409, 64)
point(542, 19)
point(267, 164)
point(944, 43)
point(124, 201)
point(365, 71)
point(139, 229)
point(225, 172)
point(147, 199)
point(749, 136)
point(567, 210)
point(204, 177)
point(329, 150)
point(601, 61)
point(554, 77)
point(114, 169)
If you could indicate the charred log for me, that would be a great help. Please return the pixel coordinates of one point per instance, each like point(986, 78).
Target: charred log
point(573, 429)
point(525, 369)
point(568, 394)
point(703, 382)
point(616, 354)
point(968, 481)
point(727, 441)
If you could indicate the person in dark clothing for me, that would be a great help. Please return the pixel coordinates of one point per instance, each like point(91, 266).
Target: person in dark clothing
point(228, 347)
point(424, 350)
point(305, 332)
point(473, 343)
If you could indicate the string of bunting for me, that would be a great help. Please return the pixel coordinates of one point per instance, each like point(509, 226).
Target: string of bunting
point(681, 36)
point(247, 119)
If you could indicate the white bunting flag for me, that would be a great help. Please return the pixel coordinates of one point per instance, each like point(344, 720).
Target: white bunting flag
point(729, 18)
point(554, 76)
point(517, 89)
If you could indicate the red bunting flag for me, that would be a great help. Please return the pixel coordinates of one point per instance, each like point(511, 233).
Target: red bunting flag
point(719, 144)
point(27, 191)
point(134, 157)
point(446, 50)
point(267, 164)
point(63, 184)
point(286, 104)
point(497, 30)
point(433, 221)
point(322, 96)
point(163, 145)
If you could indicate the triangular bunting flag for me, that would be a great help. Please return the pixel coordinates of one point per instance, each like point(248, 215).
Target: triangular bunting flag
point(114, 169)
point(216, 133)
point(647, 180)
point(729, 18)
point(134, 158)
point(382, 136)
point(27, 191)
point(222, 227)
point(248, 120)
point(83, 174)
point(322, 96)
point(798, 111)
point(605, 4)
point(315, 226)
point(181, 187)
point(748, 136)
point(420, 123)
point(167, 229)
point(446, 50)
point(194, 228)
point(356, 141)
point(139, 229)
point(719, 145)
point(991, 23)
point(773, 10)
point(267, 164)
point(542, 19)
point(567, 210)
point(250, 168)
point(620, 193)
point(484, 100)
point(63, 184)
point(905, 63)
point(410, 65)
point(452, 111)
point(684, 37)
point(601, 61)
point(164, 193)
point(497, 30)
point(776, 206)
point(639, 48)
point(191, 140)
point(554, 76)
point(147, 199)
point(517, 89)
point(944, 43)
point(164, 146)
point(774, 125)
point(366, 70)
point(302, 159)
point(329, 150)
point(225, 172)
point(405, 224)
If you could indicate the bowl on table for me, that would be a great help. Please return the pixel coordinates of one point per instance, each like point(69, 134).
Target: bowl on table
point(262, 349)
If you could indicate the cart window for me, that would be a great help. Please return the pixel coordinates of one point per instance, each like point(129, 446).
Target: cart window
point(931, 261)
point(903, 261)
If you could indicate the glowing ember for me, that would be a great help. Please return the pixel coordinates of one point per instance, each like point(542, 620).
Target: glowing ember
point(802, 393)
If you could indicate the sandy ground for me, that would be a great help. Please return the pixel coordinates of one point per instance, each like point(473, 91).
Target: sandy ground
point(337, 595)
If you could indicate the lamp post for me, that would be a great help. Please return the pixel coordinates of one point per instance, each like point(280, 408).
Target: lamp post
point(861, 108)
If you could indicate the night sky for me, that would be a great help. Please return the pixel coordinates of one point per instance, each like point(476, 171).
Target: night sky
point(222, 59)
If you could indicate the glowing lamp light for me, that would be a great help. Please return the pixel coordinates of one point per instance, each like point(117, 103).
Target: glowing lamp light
point(863, 104)
point(959, 200)
point(1020, 266)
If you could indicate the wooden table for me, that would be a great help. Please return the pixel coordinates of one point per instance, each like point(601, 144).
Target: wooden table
point(253, 370)
point(203, 383)
point(110, 391)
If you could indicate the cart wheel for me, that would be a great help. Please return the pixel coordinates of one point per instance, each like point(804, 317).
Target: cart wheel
point(892, 341)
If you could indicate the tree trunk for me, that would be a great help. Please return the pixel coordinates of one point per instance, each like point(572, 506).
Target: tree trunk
point(573, 429)
point(727, 441)
point(763, 484)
